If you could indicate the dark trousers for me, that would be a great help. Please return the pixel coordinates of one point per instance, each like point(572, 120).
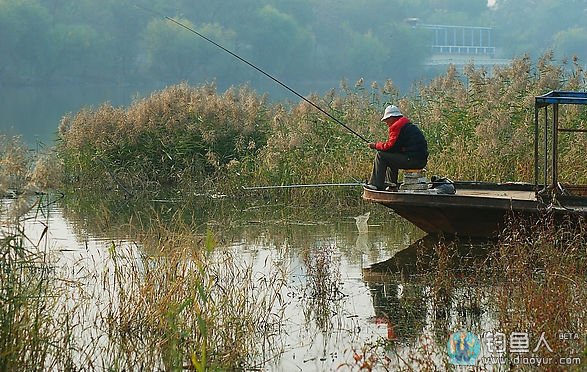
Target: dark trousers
point(389, 163)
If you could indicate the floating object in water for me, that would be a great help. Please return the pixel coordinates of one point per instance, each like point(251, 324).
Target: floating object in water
point(362, 223)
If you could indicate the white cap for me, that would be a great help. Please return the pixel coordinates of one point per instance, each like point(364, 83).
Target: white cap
point(390, 111)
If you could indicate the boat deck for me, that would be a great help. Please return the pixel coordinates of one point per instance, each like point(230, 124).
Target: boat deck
point(482, 209)
point(475, 194)
point(476, 210)
point(498, 194)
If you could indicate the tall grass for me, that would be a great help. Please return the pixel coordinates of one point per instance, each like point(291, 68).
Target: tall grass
point(179, 301)
point(530, 281)
point(180, 138)
point(33, 328)
point(322, 291)
point(184, 303)
point(540, 268)
point(180, 309)
point(25, 171)
point(479, 127)
point(175, 302)
point(15, 162)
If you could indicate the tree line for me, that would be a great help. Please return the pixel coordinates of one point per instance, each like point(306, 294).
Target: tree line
point(314, 43)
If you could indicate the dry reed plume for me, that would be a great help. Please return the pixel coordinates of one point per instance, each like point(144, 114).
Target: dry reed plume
point(176, 138)
point(540, 270)
point(479, 127)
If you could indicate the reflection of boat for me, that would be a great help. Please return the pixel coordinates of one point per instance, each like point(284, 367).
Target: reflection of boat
point(401, 319)
point(479, 209)
point(422, 257)
point(403, 304)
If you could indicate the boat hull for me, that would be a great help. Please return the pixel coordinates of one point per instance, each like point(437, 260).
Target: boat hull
point(480, 212)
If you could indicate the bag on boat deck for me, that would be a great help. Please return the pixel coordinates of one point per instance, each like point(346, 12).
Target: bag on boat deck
point(443, 185)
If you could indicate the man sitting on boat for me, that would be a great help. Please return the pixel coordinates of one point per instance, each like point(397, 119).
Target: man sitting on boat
point(405, 148)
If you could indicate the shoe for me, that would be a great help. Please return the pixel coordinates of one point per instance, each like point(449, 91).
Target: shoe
point(371, 187)
point(391, 187)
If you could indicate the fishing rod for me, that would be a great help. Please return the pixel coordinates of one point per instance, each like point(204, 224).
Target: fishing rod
point(301, 186)
point(258, 69)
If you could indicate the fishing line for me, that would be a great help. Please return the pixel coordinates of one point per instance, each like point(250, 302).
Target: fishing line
point(256, 68)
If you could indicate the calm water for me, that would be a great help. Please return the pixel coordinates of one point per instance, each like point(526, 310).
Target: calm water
point(365, 313)
point(35, 112)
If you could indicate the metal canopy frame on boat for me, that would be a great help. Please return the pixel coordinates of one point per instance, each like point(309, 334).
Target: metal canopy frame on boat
point(542, 103)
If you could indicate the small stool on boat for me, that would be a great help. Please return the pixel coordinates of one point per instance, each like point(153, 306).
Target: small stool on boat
point(414, 179)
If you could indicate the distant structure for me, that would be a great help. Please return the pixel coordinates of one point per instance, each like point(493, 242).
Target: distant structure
point(460, 45)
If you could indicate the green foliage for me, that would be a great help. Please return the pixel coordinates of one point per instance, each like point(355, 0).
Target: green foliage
point(456, 12)
point(306, 41)
point(23, 39)
point(79, 41)
point(531, 36)
point(173, 51)
point(281, 40)
point(34, 331)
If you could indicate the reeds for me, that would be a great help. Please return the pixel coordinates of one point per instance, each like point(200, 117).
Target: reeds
point(182, 302)
point(176, 138)
point(321, 291)
point(530, 282)
point(33, 328)
point(479, 127)
point(15, 163)
point(25, 171)
point(178, 301)
point(540, 270)
point(174, 302)
point(189, 305)
point(180, 309)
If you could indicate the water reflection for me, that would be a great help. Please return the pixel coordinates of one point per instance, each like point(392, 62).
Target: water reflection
point(424, 292)
point(387, 299)
point(35, 112)
point(335, 312)
point(431, 252)
point(328, 312)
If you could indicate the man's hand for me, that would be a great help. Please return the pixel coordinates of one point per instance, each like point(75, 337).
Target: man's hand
point(371, 145)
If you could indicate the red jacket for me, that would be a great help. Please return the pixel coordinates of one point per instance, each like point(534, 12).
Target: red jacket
point(394, 130)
